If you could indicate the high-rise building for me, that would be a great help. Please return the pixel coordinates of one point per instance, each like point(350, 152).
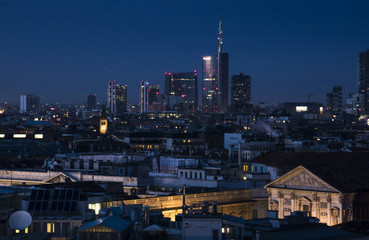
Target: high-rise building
point(112, 107)
point(184, 87)
point(91, 101)
point(29, 103)
point(354, 104)
point(153, 94)
point(334, 101)
point(121, 98)
point(363, 79)
point(210, 86)
point(144, 96)
point(215, 79)
point(240, 93)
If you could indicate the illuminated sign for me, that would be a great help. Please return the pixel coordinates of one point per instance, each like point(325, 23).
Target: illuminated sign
point(19, 135)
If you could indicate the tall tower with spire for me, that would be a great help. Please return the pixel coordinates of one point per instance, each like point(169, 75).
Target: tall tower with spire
point(215, 79)
point(222, 73)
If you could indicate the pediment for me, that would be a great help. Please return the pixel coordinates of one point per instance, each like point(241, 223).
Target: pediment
point(59, 178)
point(301, 179)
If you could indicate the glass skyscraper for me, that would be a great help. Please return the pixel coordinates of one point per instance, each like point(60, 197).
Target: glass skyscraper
point(363, 79)
point(210, 85)
point(181, 91)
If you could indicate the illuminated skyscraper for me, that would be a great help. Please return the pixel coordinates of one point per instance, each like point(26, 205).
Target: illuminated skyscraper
point(184, 87)
point(215, 80)
point(240, 93)
point(210, 101)
point(363, 79)
point(144, 96)
point(112, 96)
point(121, 98)
point(334, 101)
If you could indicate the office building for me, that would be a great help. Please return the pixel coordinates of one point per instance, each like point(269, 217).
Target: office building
point(91, 101)
point(103, 121)
point(240, 93)
point(181, 91)
point(29, 103)
point(334, 101)
point(121, 98)
point(112, 96)
point(363, 79)
point(153, 94)
point(144, 97)
point(215, 80)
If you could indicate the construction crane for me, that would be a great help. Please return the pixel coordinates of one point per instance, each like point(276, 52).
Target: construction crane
point(309, 95)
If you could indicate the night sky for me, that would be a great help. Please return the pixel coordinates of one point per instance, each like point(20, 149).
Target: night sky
point(63, 50)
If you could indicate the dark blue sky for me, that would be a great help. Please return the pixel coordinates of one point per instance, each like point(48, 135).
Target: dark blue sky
point(63, 50)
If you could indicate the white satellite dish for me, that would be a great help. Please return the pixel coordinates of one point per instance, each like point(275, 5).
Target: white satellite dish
point(20, 220)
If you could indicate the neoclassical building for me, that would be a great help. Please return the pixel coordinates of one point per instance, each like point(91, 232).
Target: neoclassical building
point(302, 190)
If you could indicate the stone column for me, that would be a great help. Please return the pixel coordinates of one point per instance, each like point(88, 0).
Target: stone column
point(280, 205)
point(269, 199)
point(340, 213)
point(316, 205)
point(293, 202)
point(329, 201)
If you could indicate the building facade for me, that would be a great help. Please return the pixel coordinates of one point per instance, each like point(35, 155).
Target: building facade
point(121, 98)
point(302, 190)
point(29, 103)
point(184, 88)
point(363, 79)
point(334, 101)
point(144, 96)
point(153, 94)
point(240, 93)
point(112, 107)
point(91, 101)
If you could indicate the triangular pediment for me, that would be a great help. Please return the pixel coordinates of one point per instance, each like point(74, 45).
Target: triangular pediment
point(301, 179)
point(59, 178)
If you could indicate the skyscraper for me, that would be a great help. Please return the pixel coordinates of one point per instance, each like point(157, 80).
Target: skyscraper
point(363, 79)
point(240, 93)
point(121, 98)
point(153, 93)
point(210, 86)
point(215, 79)
point(222, 73)
point(184, 87)
point(91, 101)
point(144, 96)
point(112, 96)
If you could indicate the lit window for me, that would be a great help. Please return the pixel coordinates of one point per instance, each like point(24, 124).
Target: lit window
point(50, 227)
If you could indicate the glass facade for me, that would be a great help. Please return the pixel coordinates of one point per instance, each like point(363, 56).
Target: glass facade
point(121, 98)
point(181, 91)
point(210, 86)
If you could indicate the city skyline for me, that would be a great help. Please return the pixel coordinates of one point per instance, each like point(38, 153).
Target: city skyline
point(289, 50)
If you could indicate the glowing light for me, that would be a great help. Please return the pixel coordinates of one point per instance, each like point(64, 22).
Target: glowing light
point(2, 135)
point(207, 58)
point(39, 136)
point(301, 108)
point(19, 135)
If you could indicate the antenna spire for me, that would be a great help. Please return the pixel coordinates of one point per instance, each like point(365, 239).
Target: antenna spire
point(220, 41)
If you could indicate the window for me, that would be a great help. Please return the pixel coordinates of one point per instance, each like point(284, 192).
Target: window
point(181, 173)
point(190, 174)
point(50, 227)
point(196, 175)
point(185, 174)
point(201, 175)
point(256, 168)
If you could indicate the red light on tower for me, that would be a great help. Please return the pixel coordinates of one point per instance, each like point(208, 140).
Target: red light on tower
point(183, 95)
